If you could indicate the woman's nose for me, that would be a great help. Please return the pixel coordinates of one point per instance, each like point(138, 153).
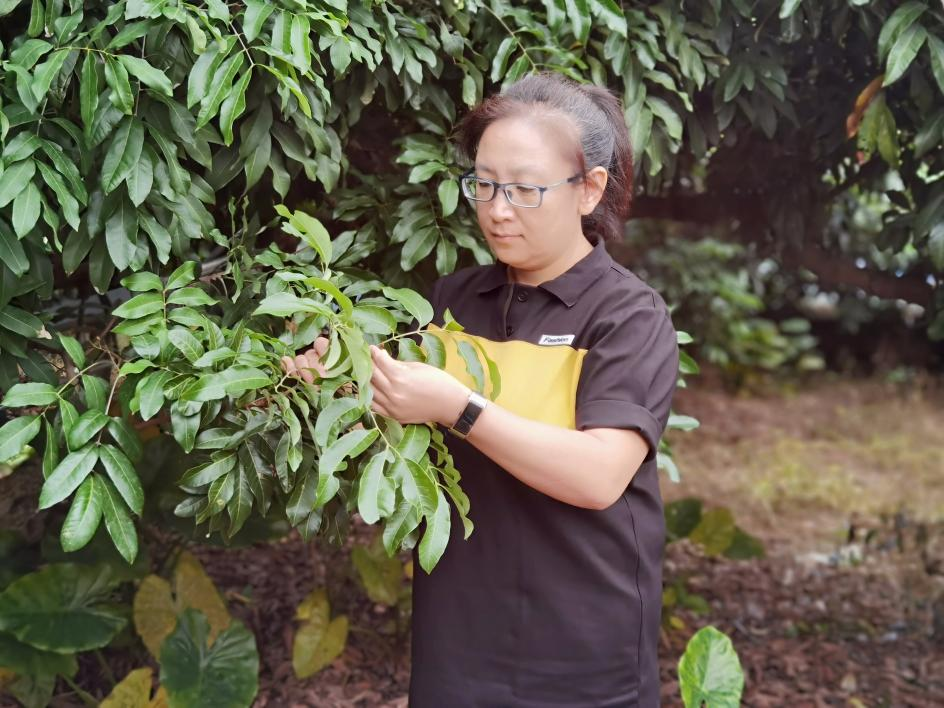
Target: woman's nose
point(500, 207)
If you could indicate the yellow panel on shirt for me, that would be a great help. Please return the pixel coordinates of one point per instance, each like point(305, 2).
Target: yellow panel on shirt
point(538, 382)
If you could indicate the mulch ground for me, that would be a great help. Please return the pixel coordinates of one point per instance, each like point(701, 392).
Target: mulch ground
point(810, 628)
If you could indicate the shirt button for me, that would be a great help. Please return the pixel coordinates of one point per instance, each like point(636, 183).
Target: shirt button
point(509, 329)
point(522, 297)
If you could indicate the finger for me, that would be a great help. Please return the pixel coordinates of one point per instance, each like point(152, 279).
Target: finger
point(314, 362)
point(288, 365)
point(321, 346)
point(379, 405)
point(380, 381)
point(304, 368)
point(383, 361)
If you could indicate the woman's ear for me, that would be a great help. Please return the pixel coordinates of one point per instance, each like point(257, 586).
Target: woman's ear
point(594, 185)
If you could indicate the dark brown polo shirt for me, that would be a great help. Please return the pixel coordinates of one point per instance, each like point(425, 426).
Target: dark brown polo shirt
point(548, 604)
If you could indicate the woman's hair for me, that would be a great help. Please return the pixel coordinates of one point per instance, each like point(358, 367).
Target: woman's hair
point(604, 141)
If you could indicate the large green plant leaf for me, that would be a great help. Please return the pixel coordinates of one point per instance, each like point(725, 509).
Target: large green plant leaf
point(62, 608)
point(710, 672)
point(194, 674)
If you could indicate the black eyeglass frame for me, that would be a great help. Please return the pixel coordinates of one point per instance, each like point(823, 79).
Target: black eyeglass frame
point(500, 186)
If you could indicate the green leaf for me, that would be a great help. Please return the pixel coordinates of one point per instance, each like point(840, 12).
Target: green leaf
point(257, 12)
point(610, 14)
point(448, 196)
point(233, 106)
point(327, 286)
point(310, 230)
point(899, 21)
point(710, 671)
point(186, 343)
point(233, 381)
point(412, 302)
point(141, 178)
point(30, 394)
point(121, 472)
point(403, 522)
point(502, 54)
point(46, 72)
point(116, 76)
point(12, 253)
point(121, 234)
point(209, 472)
point(286, 305)
point(67, 476)
point(14, 180)
point(126, 437)
point(715, 531)
point(936, 48)
point(20, 322)
point(184, 275)
point(350, 444)
point(62, 607)
point(85, 428)
point(435, 350)
point(472, 364)
point(88, 92)
point(374, 320)
point(26, 209)
point(195, 674)
point(17, 433)
point(371, 485)
point(194, 297)
point(579, 15)
point(147, 74)
point(142, 282)
point(240, 506)
point(788, 8)
point(436, 536)
point(417, 247)
point(27, 661)
point(903, 52)
point(118, 522)
point(151, 393)
point(84, 516)
point(381, 575)
point(219, 88)
point(343, 411)
point(96, 392)
point(744, 546)
point(316, 645)
point(124, 151)
point(140, 306)
point(682, 517)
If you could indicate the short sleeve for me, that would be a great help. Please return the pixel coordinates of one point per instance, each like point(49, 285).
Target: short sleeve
point(629, 375)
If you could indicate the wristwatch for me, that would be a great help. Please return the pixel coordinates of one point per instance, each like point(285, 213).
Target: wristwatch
point(468, 417)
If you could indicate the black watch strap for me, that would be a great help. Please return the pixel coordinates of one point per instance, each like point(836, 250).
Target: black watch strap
point(467, 419)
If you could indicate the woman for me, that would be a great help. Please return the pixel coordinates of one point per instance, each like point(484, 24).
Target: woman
point(555, 599)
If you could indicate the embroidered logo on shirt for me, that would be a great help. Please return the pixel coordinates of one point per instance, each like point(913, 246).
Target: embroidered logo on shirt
point(550, 339)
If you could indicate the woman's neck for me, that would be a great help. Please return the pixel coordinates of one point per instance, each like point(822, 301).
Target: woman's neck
point(564, 262)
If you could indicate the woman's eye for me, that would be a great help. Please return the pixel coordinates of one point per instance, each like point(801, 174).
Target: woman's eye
point(523, 190)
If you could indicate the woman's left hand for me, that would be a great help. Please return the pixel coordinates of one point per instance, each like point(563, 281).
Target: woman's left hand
point(413, 392)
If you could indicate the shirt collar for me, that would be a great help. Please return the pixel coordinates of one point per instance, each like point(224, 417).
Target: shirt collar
point(568, 286)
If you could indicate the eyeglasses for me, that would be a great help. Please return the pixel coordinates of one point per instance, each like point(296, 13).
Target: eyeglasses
point(529, 196)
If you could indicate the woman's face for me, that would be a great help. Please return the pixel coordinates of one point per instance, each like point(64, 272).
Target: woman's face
point(539, 152)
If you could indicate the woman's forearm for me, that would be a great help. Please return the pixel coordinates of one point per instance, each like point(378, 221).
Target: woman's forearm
point(588, 469)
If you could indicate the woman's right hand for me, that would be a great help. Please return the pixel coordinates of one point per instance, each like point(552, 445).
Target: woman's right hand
point(304, 365)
